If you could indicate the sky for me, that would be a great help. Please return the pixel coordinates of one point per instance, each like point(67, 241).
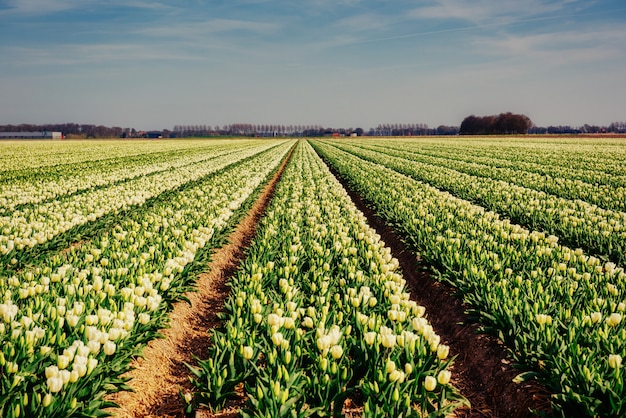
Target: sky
point(335, 63)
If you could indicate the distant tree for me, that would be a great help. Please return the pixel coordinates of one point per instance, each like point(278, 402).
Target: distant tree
point(617, 127)
point(446, 130)
point(502, 124)
point(472, 125)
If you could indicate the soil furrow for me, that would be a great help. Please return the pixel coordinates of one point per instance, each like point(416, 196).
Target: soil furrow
point(481, 370)
point(160, 374)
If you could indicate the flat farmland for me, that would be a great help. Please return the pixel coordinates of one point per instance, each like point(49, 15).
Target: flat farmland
point(436, 276)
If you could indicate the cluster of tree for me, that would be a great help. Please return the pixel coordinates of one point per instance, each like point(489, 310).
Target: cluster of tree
point(617, 127)
point(401, 129)
point(502, 124)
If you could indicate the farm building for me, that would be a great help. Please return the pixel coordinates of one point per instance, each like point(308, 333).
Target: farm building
point(31, 135)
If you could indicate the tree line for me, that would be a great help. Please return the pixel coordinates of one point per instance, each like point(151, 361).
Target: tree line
point(246, 129)
point(502, 124)
point(70, 129)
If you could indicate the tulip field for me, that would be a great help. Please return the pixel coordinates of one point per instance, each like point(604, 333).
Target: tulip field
point(98, 240)
point(541, 270)
point(71, 321)
point(318, 311)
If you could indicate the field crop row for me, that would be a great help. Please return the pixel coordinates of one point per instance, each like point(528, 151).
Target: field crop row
point(514, 160)
point(23, 156)
point(34, 225)
point(70, 324)
point(605, 195)
point(604, 155)
point(559, 310)
point(319, 313)
point(17, 190)
point(599, 231)
point(99, 239)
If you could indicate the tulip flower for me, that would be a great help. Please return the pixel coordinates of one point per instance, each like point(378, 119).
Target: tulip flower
point(430, 383)
point(444, 377)
point(615, 361)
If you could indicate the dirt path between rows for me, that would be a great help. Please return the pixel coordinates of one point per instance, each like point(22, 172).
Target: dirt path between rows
point(160, 374)
point(481, 371)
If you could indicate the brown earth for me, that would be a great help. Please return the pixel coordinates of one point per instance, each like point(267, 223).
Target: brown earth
point(481, 370)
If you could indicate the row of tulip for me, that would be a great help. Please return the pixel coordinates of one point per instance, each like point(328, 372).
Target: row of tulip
point(18, 157)
point(319, 313)
point(16, 191)
point(582, 154)
point(514, 159)
point(559, 310)
point(607, 196)
point(35, 225)
point(600, 231)
point(69, 325)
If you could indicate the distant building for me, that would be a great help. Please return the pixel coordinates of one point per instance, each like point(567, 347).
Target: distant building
point(31, 135)
point(149, 134)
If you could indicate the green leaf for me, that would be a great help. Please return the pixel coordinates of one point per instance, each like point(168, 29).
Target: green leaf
point(526, 376)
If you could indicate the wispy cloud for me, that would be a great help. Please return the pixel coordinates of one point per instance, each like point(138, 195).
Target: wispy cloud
point(330, 4)
point(42, 6)
point(151, 5)
point(77, 54)
point(364, 22)
point(364, 59)
point(485, 11)
point(194, 29)
point(584, 44)
point(459, 16)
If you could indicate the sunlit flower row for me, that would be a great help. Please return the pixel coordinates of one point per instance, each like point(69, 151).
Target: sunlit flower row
point(19, 158)
point(69, 179)
point(35, 225)
point(606, 196)
point(600, 231)
point(591, 155)
point(319, 312)
point(69, 325)
point(553, 306)
point(600, 162)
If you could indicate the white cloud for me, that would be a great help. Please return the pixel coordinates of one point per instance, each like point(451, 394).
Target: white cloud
point(364, 22)
point(194, 29)
point(485, 11)
point(585, 44)
point(42, 6)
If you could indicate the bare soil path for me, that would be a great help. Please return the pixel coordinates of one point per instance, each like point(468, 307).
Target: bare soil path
point(160, 374)
point(481, 371)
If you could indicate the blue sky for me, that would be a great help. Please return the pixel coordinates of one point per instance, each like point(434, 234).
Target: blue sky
point(338, 63)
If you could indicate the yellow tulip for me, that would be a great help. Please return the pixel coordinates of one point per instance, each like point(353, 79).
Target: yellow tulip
point(430, 383)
